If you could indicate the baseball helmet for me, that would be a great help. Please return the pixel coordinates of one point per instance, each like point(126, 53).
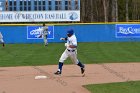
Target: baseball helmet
point(70, 32)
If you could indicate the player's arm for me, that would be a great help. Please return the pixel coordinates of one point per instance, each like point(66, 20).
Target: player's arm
point(64, 38)
point(41, 34)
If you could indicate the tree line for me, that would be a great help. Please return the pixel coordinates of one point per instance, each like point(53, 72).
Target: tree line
point(110, 10)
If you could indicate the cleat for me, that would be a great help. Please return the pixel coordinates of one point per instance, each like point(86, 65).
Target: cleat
point(3, 44)
point(46, 45)
point(57, 73)
point(83, 75)
point(82, 70)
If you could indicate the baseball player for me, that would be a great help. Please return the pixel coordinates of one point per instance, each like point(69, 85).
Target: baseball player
point(70, 51)
point(1, 39)
point(44, 34)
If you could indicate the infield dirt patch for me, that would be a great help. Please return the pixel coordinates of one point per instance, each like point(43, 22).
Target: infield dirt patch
point(22, 79)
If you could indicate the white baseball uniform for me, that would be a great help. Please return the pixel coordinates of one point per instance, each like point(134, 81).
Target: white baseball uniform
point(1, 38)
point(70, 52)
point(44, 33)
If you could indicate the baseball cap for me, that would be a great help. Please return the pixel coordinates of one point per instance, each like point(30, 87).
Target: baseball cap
point(71, 32)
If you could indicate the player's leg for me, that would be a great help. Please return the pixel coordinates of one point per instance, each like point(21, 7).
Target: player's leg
point(3, 44)
point(63, 57)
point(45, 41)
point(1, 41)
point(82, 66)
point(73, 57)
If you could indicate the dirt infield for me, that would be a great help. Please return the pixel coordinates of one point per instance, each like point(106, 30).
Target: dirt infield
point(22, 79)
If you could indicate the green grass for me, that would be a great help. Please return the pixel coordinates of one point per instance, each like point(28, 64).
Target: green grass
point(37, 54)
point(123, 87)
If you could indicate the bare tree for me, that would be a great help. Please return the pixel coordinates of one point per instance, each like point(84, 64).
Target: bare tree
point(91, 3)
point(113, 11)
point(116, 10)
point(127, 11)
point(107, 10)
point(82, 10)
point(105, 5)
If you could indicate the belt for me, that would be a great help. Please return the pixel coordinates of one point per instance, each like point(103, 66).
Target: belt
point(70, 50)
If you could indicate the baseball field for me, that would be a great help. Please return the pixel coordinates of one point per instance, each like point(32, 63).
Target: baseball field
point(106, 63)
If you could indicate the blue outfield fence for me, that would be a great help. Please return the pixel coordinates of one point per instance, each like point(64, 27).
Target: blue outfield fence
point(84, 33)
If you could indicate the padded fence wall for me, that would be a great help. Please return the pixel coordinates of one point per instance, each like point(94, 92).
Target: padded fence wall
point(84, 33)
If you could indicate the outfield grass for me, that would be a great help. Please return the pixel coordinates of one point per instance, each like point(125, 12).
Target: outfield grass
point(37, 54)
point(126, 87)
